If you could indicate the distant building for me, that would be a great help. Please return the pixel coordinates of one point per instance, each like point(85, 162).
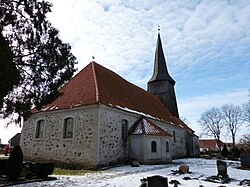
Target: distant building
point(210, 145)
point(101, 119)
point(15, 140)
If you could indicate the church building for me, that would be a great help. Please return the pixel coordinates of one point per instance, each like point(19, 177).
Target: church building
point(100, 119)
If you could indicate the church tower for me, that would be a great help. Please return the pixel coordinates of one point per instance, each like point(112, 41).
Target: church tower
point(161, 84)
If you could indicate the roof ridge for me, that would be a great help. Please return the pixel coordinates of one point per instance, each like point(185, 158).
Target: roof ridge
point(93, 63)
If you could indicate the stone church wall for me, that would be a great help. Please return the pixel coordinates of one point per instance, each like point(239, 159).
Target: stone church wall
point(112, 149)
point(192, 145)
point(97, 137)
point(179, 142)
point(81, 149)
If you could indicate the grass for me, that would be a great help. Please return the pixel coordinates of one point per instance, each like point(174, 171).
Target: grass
point(2, 157)
point(59, 171)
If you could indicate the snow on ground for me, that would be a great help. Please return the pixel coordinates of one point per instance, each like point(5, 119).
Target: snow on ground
point(127, 176)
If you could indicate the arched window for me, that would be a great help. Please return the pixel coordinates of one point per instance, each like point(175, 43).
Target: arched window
point(153, 147)
point(167, 147)
point(68, 126)
point(39, 129)
point(124, 129)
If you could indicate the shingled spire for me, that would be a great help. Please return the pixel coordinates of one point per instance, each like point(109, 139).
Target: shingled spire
point(160, 68)
point(162, 84)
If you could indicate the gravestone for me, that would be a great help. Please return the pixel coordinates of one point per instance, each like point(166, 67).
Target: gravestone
point(245, 159)
point(44, 169)
point(222, 168)
point(157, 181)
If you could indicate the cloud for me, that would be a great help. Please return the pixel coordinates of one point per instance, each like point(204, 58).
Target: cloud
point(206, 44)
point(116, 29)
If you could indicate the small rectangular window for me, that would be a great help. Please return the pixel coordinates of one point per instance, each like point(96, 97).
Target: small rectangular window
point(124, 130)
point(174, 136)
point(167, 147)
point(153, 147)
point(39, 129)
point(68, 128)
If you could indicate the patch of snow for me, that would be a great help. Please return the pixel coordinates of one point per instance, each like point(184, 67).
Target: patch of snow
point(79, 104)
point(138, 131)
point(181, 126)
point(127, 176)
point(136, 112)
point(45, 109)
point(53, 107)
point(171, 123)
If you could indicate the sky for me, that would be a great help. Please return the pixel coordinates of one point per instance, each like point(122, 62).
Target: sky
point(206, 45)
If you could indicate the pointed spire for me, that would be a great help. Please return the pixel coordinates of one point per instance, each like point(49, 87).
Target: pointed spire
point(161, 84)
point(160, 67)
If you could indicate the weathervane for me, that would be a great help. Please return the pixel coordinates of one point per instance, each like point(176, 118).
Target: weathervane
point(159, 28)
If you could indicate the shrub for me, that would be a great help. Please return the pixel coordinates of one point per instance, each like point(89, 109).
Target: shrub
point(235, 152)
point(14, 166)
point(224, 151)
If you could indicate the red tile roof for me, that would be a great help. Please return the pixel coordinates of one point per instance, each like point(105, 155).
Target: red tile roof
point(210, 143)
point(97, 84)
point(146, 127)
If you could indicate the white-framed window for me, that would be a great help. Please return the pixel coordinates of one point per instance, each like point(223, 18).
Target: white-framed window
point(153, 147)
point(68, 128)
point(39, 128)
point(167, 146)
point(124, 129)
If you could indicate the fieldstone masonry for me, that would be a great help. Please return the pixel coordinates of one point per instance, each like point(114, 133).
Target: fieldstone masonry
point(112, 149)
point(179, 149)
point(80, 149)
point(97, 137)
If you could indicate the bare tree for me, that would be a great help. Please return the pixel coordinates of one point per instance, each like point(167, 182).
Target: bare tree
point(184, 119)
point(232, 119)
point(245, 141)
point(246, 112)
point(211, 122)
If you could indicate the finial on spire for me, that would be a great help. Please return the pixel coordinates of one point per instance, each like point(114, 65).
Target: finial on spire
point(159, 29)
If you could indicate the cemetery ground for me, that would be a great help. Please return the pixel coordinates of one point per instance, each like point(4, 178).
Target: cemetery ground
point(201, 174)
